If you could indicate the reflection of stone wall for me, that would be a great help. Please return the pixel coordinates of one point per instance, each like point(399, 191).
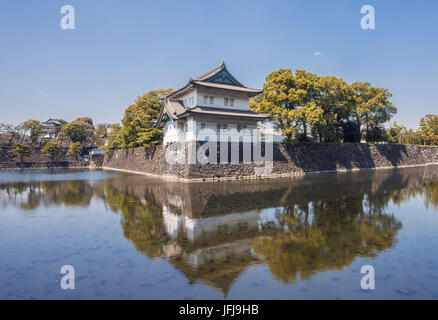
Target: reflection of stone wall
point(288, 159)
point(38, 160)
point(212, 231)
point(207, 198)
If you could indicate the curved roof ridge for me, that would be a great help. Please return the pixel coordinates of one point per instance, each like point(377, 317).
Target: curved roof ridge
point(212, 72)
point(208, 80)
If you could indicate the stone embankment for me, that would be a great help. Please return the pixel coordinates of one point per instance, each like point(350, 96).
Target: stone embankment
point(36, 160)
point(288, 160)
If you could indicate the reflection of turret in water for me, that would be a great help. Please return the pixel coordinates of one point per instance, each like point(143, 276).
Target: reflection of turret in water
point(215, 249)
point(213, 231)
point(200, 229)
point(295, 227)
point(217, 266)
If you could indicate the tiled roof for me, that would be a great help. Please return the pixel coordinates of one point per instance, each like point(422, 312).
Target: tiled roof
point(227, 87)
point(175, 109)
point(209, 80)
point(233, 113)
point(211, 72)
point(217, 78)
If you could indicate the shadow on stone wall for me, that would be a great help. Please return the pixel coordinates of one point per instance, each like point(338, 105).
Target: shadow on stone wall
point(287, 159)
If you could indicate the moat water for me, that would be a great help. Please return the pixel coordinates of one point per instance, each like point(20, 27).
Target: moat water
point(133, 237)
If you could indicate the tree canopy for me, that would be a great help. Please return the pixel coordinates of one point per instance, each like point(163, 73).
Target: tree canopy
point(20, 151)
point(429, 129)
point(51, 149)
point(35, 129)
point(75, 149)
point(426, 134)
point(79, 130)
point(138, 129)
point(312, 108)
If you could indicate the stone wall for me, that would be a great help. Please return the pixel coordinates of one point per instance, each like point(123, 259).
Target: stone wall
point(289, 159)
point(96, 160)
point(37, 160)
point(144, 160)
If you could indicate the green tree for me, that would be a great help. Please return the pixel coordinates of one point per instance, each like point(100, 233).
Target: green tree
point(429, 129)
point(373, 109)
point(351, 131)
point(20, 151)
point(396, 134)
point(308, 107)
point(78, 131)
point(51, 149)
point(35, 129)
point(290, 100)
point(114, 138)
point(138, 129)
point(86, 120)
point(75, 150)
point(336, 100)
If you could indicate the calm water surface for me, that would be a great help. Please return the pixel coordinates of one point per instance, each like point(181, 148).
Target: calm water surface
point(132, 237)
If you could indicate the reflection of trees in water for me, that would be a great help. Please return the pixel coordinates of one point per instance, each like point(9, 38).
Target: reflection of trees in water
point(69, 193)
point(315, 224)
point(31, 195)
point(319, 225)
point(428, 191)
point(142, 222)
point(329, 240)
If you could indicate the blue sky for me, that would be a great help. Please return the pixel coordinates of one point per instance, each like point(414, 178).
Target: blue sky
point(120, 49)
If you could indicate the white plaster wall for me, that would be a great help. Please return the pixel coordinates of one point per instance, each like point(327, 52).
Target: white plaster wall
point(190, 131)
point(186, 99)
point(178, 132)
point(239, 102)
point(173, 132)
point(231, 130)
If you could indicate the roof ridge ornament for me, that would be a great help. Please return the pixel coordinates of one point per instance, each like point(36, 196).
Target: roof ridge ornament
point(218, 77)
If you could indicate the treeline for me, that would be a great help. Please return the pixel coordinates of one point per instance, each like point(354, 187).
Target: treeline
point(75, 135)
point(307, 108)
point(312, 108)
point(426, 134)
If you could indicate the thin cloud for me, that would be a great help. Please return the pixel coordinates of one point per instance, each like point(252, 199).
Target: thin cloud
point(318, 53)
